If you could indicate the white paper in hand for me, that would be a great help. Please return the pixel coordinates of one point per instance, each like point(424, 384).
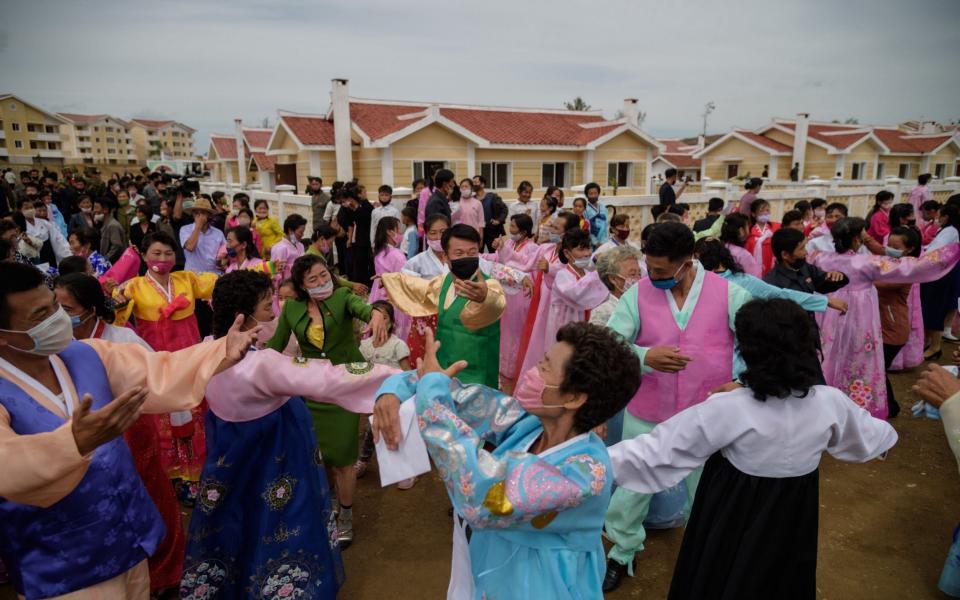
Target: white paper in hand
point(411, 458)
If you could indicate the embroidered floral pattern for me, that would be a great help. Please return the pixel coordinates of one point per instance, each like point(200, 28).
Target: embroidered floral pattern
point(210, 494)
point(860, 392)
point(332, 532)
point(358, 368)
point(278, 494)
point(203, 581)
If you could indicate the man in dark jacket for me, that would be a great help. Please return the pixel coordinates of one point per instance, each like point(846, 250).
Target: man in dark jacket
point(794, 272)
point(318, 199)
point(714, 210)
point(494, 212)
point(444, 182)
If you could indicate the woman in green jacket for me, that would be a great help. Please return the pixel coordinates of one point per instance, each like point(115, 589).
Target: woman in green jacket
point(321, 317)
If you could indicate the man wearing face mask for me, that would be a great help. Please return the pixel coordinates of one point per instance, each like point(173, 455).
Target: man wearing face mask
point(792, 270)
point(528, 479)
point(467, 303)
point(386, 209)
point(439, 203)
point(53, 246)
point(619, 235)
point(63, 408)
point(685, 345)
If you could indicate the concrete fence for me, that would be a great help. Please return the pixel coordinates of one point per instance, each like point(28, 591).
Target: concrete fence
point(858, 198)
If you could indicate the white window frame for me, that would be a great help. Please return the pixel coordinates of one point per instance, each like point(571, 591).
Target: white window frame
point(857, 170)
point(15, 126)
point(903, 171)
point(940, 171)
point(18, 144)
point(630, 173)
point(881, 169)
point(565, 182)
point(492, 179)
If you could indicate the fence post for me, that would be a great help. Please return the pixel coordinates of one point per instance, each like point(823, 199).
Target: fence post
point(283, 190)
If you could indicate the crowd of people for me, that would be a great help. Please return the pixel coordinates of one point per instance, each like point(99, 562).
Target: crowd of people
point(163, 349)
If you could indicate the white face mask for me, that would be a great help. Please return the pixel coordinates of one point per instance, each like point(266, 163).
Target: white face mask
point(466, 192)
point(51, 336)
point(29, 213)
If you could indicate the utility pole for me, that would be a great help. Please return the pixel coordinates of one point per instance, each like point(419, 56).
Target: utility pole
point(708, 108)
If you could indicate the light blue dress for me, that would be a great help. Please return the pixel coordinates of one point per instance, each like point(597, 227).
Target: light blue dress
point(758, 288)
point(535, 519)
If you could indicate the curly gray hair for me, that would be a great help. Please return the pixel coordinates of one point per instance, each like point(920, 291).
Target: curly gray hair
point(608, 263)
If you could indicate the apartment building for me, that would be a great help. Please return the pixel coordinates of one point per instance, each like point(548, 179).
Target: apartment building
point(97, 140)
point(29, 134)
point(156, 139)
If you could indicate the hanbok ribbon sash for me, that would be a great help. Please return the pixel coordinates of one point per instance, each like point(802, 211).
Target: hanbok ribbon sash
point(179, 303)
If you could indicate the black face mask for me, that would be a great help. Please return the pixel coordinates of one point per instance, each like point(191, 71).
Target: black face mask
point(465, 268)
point(797, 263)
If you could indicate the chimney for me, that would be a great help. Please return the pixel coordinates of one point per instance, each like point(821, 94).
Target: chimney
point(801, 126)
point(340, 97)
point(630, 110)
point(701, 142)
point(241, 162)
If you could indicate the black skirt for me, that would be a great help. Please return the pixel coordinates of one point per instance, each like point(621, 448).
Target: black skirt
point(749, 537)
point(938, 298)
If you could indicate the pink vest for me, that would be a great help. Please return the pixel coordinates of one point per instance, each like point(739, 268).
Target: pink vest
point(707, 340)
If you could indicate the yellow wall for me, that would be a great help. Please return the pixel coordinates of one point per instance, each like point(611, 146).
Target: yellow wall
point(749, 158)
point(13, 111)
point(865, 152)
point(626, 147)
point(367, 168)
point(948, 157)
point(527, 165)
point(433, 142)
point(818, 162)
point(892, 165)
point(96, 148)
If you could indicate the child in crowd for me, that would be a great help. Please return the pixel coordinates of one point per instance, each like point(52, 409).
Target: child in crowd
point(471, 209)
point(580, 209)
point(267, 227)
point(793, 219)
point(931, 217)
point(410, 244)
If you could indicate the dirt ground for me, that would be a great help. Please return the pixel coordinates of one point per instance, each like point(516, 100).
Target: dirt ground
point(884, 531)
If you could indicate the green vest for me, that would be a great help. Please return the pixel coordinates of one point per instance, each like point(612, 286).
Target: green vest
point(480, 348)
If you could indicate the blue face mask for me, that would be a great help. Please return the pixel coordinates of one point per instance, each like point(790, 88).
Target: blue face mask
point(668, 283)
point(893, 252)
point(555, 238)
point(77, 320)
point(232, 252)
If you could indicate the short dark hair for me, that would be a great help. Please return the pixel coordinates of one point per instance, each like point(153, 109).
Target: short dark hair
point(882, 196)
point(524, 223)
point(671, 172)
point(293, 222)
point(677, 209)
point(483, 180)
point(671, 240)
point(785, 239)
point(409, 212)
point(323, 231)
point(593, 185)
point(14, 278)
point(930, 205)
point(715, 204)
point(779, 344)
point(86, 237)
point(791, 216)
point(657, 210)
point(418, 181)
point(608, 389)
point(443, 176)
point(257, 203)
point(845, 230)
point(570, 220)
point(157, 237)
point(71, 264)
point(461, 231)
point(802, 206)
point(900, 214)
point(839, 206)
point(923, 179)
point(237, 292)
point(713, 254)
point(817, 203)
point(572, 240)
point(619, 219)
point(86, 289)
point(758, 204)
point(524, 185)
point(385, 189)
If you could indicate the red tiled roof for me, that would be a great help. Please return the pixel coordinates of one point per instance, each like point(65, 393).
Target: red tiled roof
point(82, 119)
point(310, 131)
point(225, 145)
point(256, 138)
point(678, 146)
point(898, 141)
point(152, 123)
point(529, 128)
point(928, 144)
point(264, 161)
point(547, 128)
point(764, 141)
point(840, 141)
point(682, 161)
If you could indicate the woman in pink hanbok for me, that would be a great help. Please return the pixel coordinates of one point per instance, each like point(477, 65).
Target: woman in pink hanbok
point(521, 253)
point(852, 345)
point(388, 258)
point(911, 355)
point(571, 296)
point(734, 234)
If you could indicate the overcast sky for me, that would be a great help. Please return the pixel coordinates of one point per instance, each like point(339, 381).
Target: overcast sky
point(204, 63)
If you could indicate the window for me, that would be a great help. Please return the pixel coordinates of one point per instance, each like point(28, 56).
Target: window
point(17, 144)
point(940, 171)
point(96, 139)
point(111, 150)
point(110, 140)
point(733, 170)
point(15, 126)
point(881, 169)
point(422, 169)
point(620, 174)
point(497, 174)
point(33, 145)
point(32, 127)
point(553, 174)
point(51, 129)
point(904, 171)
point(858, 170)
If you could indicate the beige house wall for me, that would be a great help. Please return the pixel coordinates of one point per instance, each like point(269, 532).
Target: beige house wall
point(747, 157)
point(626, 147)
point(367, 168)
point(892, 165)
point(947, 157)
point(433, 142)
point(527, 165)
point(866, 152)
point(14, 111)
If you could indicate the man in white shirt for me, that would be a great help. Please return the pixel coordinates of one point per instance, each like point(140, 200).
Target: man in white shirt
point(44, 231)
point(386, 209)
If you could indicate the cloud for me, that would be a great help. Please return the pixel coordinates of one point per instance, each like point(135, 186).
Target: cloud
point(204, 62)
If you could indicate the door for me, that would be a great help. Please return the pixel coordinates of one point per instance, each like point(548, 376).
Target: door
point(732, 170)
point(430, 167)
point(286, 175)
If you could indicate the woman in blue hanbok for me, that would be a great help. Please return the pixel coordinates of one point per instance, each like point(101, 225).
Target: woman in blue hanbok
point(263, 526)
point(529, 480)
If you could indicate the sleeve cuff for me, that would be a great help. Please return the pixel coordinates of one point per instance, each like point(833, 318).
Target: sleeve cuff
point(642, 355)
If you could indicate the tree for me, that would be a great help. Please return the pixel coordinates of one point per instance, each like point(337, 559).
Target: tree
point(577, 103)
point(847, 121)
point(641, 117)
